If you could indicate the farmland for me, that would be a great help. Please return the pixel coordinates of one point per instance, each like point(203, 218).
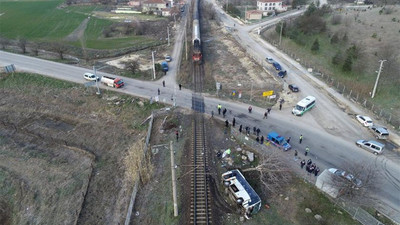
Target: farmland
point(59, 164)
point(45, 21)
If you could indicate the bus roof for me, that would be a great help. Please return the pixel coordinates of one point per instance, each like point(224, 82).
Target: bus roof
point(305, 101)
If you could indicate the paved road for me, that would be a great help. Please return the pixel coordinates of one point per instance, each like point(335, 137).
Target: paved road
point(334, 131)
point(328, 150)
point(329, 132)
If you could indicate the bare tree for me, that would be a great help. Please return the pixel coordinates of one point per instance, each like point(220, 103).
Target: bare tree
point(35, 48)
point(358, 180)
point(209, 11)
point(4, 42)
point(132, 66)
point(274, 174)
point(60, 48)
point(22, 44)
point(336, 19)
point(391, 68)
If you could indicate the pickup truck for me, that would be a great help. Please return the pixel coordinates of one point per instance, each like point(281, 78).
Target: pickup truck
point(278, 141)
point(112, 81)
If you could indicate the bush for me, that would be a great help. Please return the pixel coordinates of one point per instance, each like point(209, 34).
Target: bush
point(315, 46)
point(336, 19)
point(347, 64)
point(335, 38)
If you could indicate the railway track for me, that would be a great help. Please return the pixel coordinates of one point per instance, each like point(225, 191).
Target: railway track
point(200, 211)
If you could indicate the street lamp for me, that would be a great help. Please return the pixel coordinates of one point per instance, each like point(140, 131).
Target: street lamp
point(154, 66)
point(95, 75)
point(377, 78)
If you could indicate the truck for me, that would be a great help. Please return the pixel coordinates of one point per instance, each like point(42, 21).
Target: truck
point(164, 66)
point(278, 141)
point(112, 81)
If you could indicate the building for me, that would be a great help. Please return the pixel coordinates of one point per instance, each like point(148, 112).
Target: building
point(154, 5)
point(254, 15)
point(271, 6)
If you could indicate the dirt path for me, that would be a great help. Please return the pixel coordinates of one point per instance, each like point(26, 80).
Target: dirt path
point(78, 32)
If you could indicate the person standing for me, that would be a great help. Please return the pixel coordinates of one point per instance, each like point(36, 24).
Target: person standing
point(212, 114)
point(301, 138)
point(240, 128)
point(265, 115)
point(295, 153)
point(257, 139)
point(219, 109)
point(269, 110)
point(288, 140)
point(180, 86)
point(224, 112)
point(280, 106)
point(233, 122)
point(258, 131)
point(163, 83)
point(254, 130)
point(177, 135)
point(226, 123)
point(302, 163)
point(316, 171)
point(307, 151)
point(262, 140)
point(250, 109)
point(309, 162)
point(159, 91)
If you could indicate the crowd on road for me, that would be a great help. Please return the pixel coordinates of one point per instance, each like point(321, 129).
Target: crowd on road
point(309, 166)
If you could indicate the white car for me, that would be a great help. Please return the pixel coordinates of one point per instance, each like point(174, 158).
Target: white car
point(365, 120)
point(269, 60)
point(346, 175)
point(91, 77)
point(168, 58)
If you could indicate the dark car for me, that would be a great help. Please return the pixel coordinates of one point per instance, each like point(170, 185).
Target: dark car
point(277, 66)
point(282, 73)
point(293, 88)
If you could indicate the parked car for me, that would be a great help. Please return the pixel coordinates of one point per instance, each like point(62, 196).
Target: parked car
point(269, 60)
point(168, 58)
point(372, 146)
point(282, 73)
point(365, 120)
point(346, 175)
point(293, 88)
point(380, 132)
point(277, 66)
point(91, 77)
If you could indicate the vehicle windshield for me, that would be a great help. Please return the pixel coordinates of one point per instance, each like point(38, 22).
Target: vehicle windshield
point(120, 82)
point(300, 108)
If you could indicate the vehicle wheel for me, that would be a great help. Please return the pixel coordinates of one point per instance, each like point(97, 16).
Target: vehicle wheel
point(358, 145)
point(375, 153)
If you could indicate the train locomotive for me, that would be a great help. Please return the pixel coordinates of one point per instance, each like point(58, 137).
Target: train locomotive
point(196, 41)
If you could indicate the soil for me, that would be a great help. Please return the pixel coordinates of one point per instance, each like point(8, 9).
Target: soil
point(78, 32)
point(62, 152)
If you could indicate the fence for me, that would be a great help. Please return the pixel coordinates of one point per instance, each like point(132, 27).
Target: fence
point(355, 212)
point(136, 186)
point(359, 214)
point(349, 93)
point(337, 85)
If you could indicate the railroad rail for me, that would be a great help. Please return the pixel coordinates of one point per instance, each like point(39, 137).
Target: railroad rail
point(200, 211)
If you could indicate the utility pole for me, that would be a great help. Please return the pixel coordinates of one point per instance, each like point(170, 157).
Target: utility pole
point(377, 78)
point(154, 66)
point(186, 42)
point(251, 92)
point(174, 195)
point(245, 11)
point(280, 36)
point(168, 34)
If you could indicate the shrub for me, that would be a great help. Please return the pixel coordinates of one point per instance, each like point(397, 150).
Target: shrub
point(338, 58)
point(347, 64)
point(315, 46)
point(335, 38)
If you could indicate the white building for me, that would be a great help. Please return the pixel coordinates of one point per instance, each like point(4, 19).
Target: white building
point(271, 6)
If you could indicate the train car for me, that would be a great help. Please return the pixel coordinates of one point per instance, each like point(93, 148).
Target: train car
point(242, 192)
point(196, 40)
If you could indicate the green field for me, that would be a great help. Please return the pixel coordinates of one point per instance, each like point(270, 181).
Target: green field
point(43, 21)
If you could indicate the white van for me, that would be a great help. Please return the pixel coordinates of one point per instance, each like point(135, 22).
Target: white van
point(304, 105)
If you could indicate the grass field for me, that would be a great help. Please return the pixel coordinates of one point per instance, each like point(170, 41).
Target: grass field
point(43, 21)
point(359, 27)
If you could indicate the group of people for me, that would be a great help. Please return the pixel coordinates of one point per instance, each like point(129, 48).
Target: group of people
point(311, 167)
